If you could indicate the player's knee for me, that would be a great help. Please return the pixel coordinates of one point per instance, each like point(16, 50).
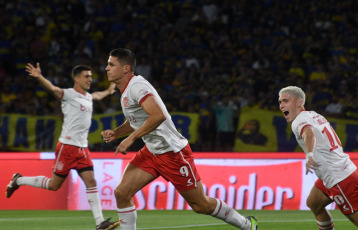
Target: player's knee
point(309, 203)
point(54, 187)
point(313, 205)
point(121, 194)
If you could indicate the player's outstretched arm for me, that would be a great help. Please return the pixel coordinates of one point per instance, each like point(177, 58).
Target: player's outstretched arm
point(36, 73)
point(102, 94)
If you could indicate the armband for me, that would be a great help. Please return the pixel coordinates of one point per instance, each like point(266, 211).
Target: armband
point(310, 154)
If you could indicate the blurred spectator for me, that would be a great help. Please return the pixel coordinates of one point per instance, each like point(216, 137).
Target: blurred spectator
point(7, 96)
point(334, 108)
point(143, 68)
point(318, 73)
point(226, 116)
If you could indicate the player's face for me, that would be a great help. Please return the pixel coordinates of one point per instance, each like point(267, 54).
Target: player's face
point(115, 70)
point(85, 79)
point(289, 106)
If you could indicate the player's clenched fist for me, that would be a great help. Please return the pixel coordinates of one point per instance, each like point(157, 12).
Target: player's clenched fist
point(108, 135)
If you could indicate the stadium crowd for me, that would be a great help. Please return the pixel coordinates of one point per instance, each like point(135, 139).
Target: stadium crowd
point(199, 54)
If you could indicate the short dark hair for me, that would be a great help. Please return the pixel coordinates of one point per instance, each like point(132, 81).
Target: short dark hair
point(125, 57)
point(79, 68)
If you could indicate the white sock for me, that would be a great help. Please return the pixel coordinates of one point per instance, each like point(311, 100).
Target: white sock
point(37, 181)
point(326, 225)
point(127, 217)
point(229, 215)
point(95, 203)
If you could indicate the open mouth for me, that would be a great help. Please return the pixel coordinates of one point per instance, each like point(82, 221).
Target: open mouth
point(285, 113)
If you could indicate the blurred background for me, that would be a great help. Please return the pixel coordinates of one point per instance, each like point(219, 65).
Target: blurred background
point(217, 63)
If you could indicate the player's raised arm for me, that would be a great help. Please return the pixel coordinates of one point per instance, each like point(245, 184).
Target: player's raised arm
point(102, 94)
point(36, 73)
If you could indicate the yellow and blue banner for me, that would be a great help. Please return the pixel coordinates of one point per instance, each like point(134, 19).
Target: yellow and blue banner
point(262, 130)
point(259, 130)
point(41, 133)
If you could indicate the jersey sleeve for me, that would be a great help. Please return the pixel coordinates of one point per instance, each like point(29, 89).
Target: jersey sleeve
point(66, 94)
point(139, 92)
point(299, 124)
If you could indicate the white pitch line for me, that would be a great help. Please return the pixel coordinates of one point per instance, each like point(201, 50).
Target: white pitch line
point(201, 225)
point(41, 218)
point(168, 227)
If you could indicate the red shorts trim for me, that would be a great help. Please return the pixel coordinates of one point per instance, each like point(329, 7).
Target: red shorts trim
point(345, 193)
point(178, 168)
point(71, 157)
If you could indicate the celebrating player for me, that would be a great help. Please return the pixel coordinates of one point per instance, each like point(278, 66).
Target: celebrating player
point(71, 150)
point(337, 175)
point(166, 152)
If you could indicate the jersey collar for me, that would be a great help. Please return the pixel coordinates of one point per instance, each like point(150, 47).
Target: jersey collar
point(127, 83)
point(79, 92)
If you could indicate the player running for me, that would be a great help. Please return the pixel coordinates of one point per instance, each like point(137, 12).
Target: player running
point(71, 150)
point(337, 175)
point(166, 152)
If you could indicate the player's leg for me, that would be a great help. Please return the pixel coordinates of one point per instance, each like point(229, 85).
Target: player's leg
point(92, 194)
point(353, 218)
point(84, 167)
point(345, 194)
point(133, 180)
point(317, 202)
point(52, 184)
point(87, 175)
point(180, 170)
point(61, 170)
point(203, 204)
point(43, 182)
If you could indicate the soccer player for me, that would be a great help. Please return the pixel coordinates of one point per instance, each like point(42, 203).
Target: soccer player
point(166, 152)
point(71, 150)
point(337, 175)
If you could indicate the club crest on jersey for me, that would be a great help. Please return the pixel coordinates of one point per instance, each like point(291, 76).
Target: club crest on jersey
point(125, 102)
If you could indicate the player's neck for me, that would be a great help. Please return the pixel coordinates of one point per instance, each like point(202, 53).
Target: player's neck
point(122, 85)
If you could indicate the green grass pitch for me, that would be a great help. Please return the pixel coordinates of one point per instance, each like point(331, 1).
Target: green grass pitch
point(163, 219)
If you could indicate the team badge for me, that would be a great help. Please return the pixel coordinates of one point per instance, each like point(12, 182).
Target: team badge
point(59, 165)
